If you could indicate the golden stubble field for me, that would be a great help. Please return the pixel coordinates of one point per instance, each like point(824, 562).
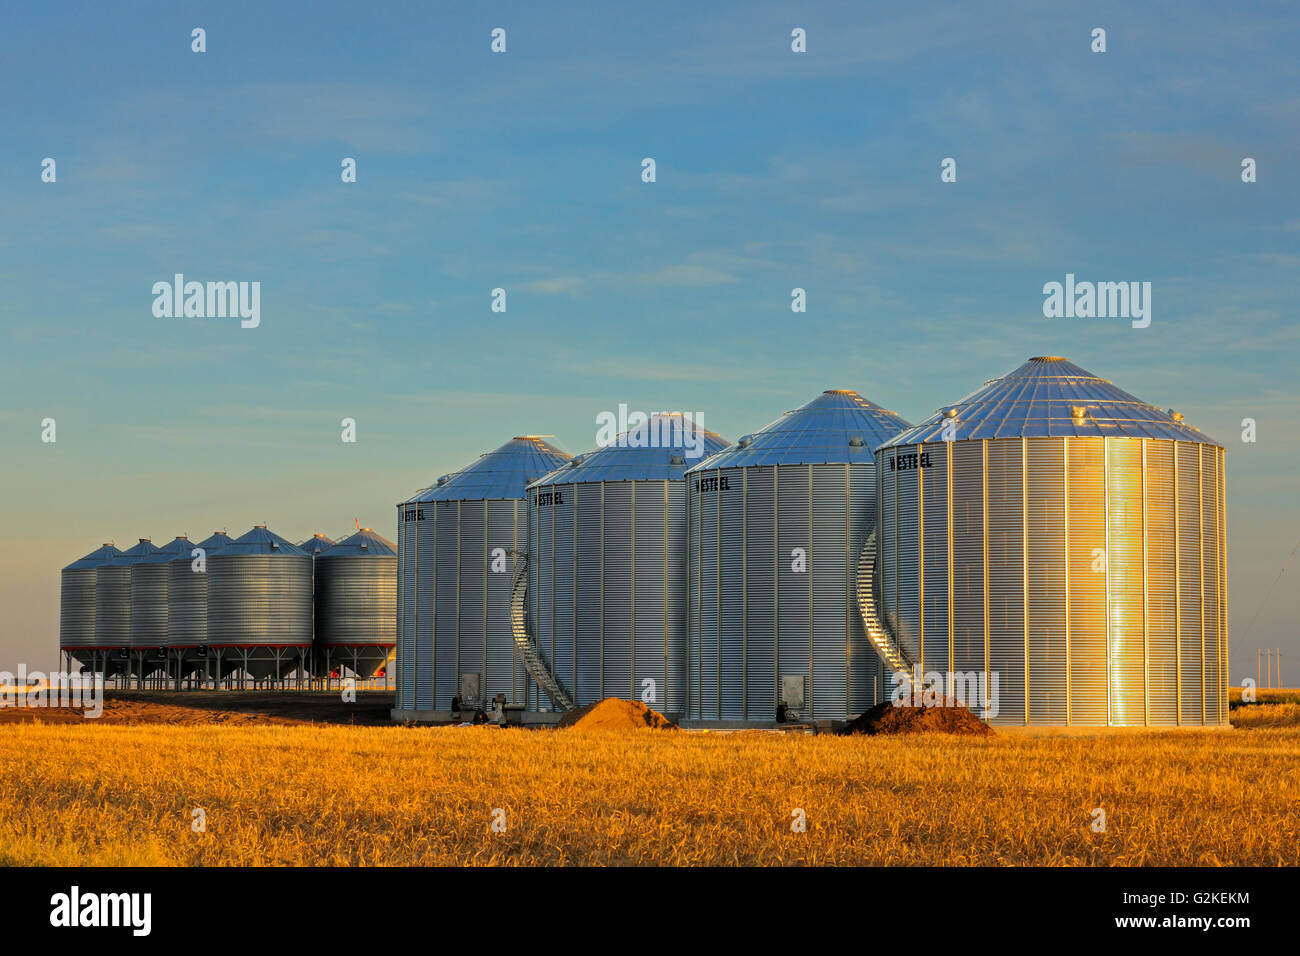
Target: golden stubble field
point(305, 795)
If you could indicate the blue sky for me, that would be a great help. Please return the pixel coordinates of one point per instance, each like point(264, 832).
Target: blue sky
point(522, 171)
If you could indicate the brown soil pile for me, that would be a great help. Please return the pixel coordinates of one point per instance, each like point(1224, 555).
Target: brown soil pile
point(614, 713)
point(952, 718)
point(267, 708)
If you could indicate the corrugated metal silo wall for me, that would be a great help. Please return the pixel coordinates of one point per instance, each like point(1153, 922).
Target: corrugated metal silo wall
point(1099, 562)
point(454, 605)
point(113, 606)
point(355, 600)
point(259, 599)
point(752, 618)
point(149, 605)
point(606, 590)
point(77, 608)
point(408, 537)
point(187, 604)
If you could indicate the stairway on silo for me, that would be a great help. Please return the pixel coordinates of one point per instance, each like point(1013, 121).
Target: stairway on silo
point(529, 653)
point(877, 630)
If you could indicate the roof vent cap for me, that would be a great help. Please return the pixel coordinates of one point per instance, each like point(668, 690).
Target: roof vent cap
point(856, 442)
point(744, 440)
point(677, 460)
point(1176, 416)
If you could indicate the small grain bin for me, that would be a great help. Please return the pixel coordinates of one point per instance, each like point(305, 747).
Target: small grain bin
point(113, 606)
point(77, 607)
point(259, 606)
point(356, 604)
point(149, 606)
point(187, 599)
point(317, 543)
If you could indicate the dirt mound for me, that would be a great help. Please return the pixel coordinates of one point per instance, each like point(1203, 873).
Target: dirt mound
point(614, 713)
point(280, 708)
point(951, 718)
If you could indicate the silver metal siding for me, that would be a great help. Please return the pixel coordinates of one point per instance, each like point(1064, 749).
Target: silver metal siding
point(112, 606)
point(738, 699)
point(77, 607)
point(356, 600)
point(187, 604)
point(1046, 564)
point(149, 605)
point(753, 617)
point(1161, 590)
point(258, 599)
point(1006, 575)
point(762, 563)
point(1190, 581)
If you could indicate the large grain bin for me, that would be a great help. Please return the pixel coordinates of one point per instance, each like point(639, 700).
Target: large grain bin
point(149, 605)
point(77, 606)
point(187, 601)
point(356, 604)
point(1062, 552)
point(113, 604)
point(259, 605)
point(775, 524)
point(607, 565)
point(456, 559)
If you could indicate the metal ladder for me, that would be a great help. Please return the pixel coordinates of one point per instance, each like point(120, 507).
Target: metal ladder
point(877, 630)
point(528, 651)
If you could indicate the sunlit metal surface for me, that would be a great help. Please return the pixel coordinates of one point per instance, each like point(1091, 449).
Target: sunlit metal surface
point(113, 596)
point(187, 594)
point(77, 598)
point(607, 583)
point(259, 596)
point(453, 607)
point(149, 585)
point(356, 601)
point(1086, 572)
point(805, 482)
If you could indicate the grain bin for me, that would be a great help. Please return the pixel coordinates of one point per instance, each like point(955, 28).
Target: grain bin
point(149, 605)
point(1062, 552)
point(113, 605)
point(317, 543)
point(607, 565)
point(259, 605)
point(356, 604)
point(775, 523)
point(77, 606)
point(187, 601)
point(457, 546)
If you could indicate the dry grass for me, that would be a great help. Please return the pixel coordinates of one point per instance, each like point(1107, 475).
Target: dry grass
point(95, 794)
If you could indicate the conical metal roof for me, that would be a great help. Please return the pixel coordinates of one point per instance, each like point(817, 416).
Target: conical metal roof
point(1051, 397)
point(180, 545)
point(132, 555)
point(660, 449)
point(261, 541)
point(214, 542)
point(504, 473)
point(362, 544)
point(839, 425)
point(100, 556)
point(317, 543)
